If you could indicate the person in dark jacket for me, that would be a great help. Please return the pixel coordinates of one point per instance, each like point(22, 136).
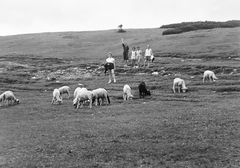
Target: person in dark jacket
point(125, 51)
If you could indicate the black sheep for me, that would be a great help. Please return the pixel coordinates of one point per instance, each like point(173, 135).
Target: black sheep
point(143, 90)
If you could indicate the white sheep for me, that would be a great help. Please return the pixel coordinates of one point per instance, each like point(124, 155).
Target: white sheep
point(76, 90)
point(210, 75)
point(9, 97)
point(127, 92)
point(180, 83)
point(100, 93)
point(57, 99)
point(83, 95)
point(65, 89)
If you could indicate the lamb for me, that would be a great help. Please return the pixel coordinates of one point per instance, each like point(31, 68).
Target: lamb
point(82, 95)
point(65, 89)
point(57, 99)
point(9, 97)
point(180, 83)
point(143, 90)
point(127, 92)
point(210, 75)
point(100, 93)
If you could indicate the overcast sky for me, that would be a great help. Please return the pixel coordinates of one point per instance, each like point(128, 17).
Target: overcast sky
point(35, 16)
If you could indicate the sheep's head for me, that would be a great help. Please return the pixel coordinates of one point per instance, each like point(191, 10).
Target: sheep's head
point(148, 93)
point(130, 97)
point(17, 101)
point(184, 89)
point(60, 101)
point(75, 103)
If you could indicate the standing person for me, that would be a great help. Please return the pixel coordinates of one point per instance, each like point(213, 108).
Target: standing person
point(125, 52)
point(110, 61)
point(139, 56)
point(133, 56)
point(148, 54)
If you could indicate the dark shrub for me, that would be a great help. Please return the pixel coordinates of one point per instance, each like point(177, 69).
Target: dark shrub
point(191, 26)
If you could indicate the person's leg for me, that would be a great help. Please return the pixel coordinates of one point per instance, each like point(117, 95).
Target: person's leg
point(113, 75)
point(110, 74)
point(148, 61)
point(134, 62)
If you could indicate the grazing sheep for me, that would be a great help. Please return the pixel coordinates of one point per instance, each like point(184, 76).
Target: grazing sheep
point(100, 93)
point(76, 90)
point(180, 83)
point(82, 95)
point(9, 97)
point(65, 89)
point(143, 90)
point(127, 92)
point(57, 99)
point(2, 98)
point(210, 75)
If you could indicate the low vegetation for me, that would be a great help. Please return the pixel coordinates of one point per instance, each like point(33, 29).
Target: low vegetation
point(192, 26)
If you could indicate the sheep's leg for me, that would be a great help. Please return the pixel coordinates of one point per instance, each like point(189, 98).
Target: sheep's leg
point(179, 90)
point(96, 101)
point(78, 104)
point(124, 96)
point(90, 103)
point(174, 90)
point(52, 101)
point(204, 77)
point(81, 104)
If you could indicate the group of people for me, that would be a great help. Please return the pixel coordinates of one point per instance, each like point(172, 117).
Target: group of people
point(136, 57)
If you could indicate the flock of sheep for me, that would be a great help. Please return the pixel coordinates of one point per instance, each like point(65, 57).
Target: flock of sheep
point(180, 83)
point(82, 95)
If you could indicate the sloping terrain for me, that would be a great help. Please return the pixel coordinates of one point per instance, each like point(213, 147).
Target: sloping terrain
point(200, 128)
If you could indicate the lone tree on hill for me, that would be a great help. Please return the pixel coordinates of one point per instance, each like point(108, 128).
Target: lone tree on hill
point(120, 28)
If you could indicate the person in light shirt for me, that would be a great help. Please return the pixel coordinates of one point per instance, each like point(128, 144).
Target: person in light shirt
point(148, 54)
point(110, 61)
point(133, 57)
point(139, 56)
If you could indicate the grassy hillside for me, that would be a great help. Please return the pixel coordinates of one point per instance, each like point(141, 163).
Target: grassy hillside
point(96, 44)
point(199, 128)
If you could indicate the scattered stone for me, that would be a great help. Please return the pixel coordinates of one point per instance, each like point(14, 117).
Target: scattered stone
point(155, 73)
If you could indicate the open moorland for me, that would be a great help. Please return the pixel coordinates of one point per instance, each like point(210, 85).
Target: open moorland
point(196, 129)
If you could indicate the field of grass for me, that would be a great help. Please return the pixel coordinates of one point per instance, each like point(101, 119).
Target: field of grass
point(196, 129)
